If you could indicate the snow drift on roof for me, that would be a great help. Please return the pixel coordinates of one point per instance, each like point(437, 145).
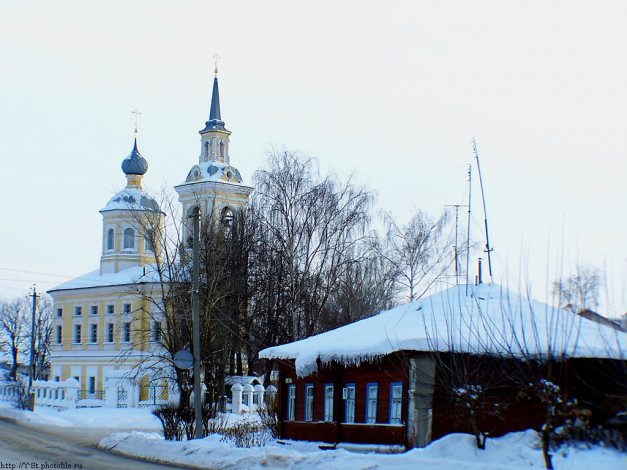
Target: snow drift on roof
point(490, 320)
point(137, 274)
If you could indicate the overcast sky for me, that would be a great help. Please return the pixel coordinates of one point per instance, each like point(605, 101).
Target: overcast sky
point(393, 92)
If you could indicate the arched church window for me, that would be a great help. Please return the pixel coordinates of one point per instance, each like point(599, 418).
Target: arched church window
point(227, 217)
point(207, 150)
point(222, 150)
point(129, 238)
point(149, 240)
point(110, 240)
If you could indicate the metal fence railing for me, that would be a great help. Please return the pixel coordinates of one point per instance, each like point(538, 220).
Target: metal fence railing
point(91, 394)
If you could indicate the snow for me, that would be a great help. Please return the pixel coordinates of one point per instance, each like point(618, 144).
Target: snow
point(490, 319)
point(134, 275)
point(132, 199)
point(114, 418)
point(452, 452)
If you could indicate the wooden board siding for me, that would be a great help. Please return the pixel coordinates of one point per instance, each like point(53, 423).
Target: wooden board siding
point(384, 372)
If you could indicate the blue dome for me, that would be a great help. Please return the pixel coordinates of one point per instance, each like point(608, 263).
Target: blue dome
point(135, 164)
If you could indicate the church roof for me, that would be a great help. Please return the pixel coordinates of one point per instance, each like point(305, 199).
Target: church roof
point(135, 164)
point(134, 275)
point(215, 117)
point(489, 320)
point(132, 199)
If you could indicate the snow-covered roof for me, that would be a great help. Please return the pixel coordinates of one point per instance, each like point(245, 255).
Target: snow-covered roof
point(145, 273)
point(490, 319)
point(214, 171)
point(132, 199)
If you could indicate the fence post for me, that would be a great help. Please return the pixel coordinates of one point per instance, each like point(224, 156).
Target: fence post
point(236, 390)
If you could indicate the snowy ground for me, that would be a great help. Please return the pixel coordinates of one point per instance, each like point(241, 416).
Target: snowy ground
point(453, 452)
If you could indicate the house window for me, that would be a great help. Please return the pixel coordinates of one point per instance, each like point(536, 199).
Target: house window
point(328, 402)
point(126, 308)
point(156, 331)
point(59, 312)
point(371, 403)
point(109, 332)
point(309, 402)
point(59, 334)
point(110, 239)
point(110, 309)
point(349, 404)
point(93, 310)
point(126, 333)
point(92, 384)
point(77, 334)
point(396, 402)
point(291, 402)
point(129, 239)
point(93, 333)
point(78, 311)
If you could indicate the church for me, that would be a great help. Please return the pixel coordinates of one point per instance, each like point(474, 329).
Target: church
point(103, 326)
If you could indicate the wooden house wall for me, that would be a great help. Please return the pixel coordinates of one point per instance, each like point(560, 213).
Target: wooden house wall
point(599, 385)
point(390, 369)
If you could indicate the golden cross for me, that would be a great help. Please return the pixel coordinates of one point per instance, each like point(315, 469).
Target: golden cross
point(216, 57)
point(136, 113)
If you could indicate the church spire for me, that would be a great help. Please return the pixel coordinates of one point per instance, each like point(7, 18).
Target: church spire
point(214, 114)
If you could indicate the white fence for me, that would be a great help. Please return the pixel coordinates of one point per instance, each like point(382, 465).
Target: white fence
point(122, 392)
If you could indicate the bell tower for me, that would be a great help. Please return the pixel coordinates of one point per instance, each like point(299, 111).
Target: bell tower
point(213, 184)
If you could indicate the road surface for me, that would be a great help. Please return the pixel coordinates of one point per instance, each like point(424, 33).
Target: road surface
point(33, 447)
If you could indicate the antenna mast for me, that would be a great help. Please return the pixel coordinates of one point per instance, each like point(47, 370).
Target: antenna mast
point(485, 215)
point(456, 206)
point(468, 230)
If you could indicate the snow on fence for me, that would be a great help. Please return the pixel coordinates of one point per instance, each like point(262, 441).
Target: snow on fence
point(121, 392)
point(249, 398)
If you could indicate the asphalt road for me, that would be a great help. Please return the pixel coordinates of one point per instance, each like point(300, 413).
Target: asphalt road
point(32, 447)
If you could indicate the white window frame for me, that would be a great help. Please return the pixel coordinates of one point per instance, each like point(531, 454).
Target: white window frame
point(77, 333)
point(78, 310)
point(110, 333)
point(372, 399)
point(110, 307)
point(59, 312)
point(132, 246)
point(127, 308)
point(309, 402)
point(127, 332)
point(328, 402)
point(91, 309)
point(112, 246)
point(291, 402)
point(396, 403)
point(349, 403)
point(93, 327)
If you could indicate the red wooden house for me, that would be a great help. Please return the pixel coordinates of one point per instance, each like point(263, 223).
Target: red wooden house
point(385, 380)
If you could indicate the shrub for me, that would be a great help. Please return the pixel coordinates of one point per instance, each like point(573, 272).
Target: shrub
point(269, 416)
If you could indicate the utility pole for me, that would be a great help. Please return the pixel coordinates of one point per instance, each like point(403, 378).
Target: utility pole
point(468, 229)
point(488, 250)
point(196, 322)
point(31, 394)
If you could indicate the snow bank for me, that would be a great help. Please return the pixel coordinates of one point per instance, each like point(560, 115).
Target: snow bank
point(487, 320)
point(113, 418)
point(452, 452)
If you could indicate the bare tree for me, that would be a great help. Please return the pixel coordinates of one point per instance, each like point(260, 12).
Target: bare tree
point(420, 250)
point(43, 335)
point(580, 291)
point(13, 330)
point(309, 226)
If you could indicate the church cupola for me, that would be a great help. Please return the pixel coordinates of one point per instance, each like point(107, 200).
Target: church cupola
point(134, 167)
point(130, 219)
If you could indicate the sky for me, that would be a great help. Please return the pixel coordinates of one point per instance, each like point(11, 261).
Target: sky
point(389, 92)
